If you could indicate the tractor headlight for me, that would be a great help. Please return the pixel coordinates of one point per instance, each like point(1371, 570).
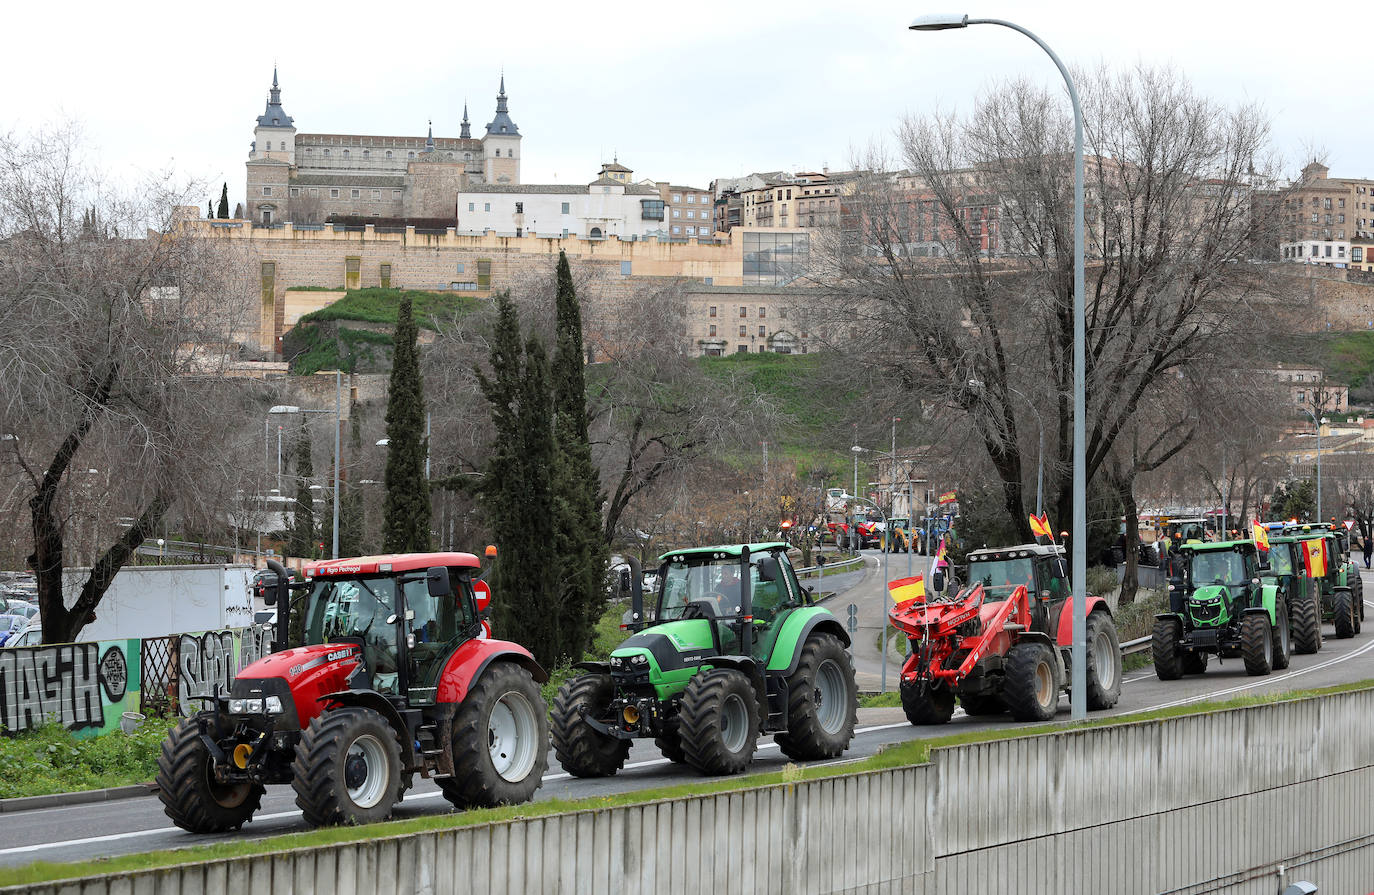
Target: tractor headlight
point(238, 706)
point(639, 659)
point(273, 705)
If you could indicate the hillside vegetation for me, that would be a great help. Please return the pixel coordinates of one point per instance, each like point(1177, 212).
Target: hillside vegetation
point(354, 333)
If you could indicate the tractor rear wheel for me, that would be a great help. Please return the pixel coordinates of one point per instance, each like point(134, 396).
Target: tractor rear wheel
point(1194, 663)
point(926, 703)
point(1104, 662)
point(1256, 643)
point(500, 741)
point(1357, 594)
point(347, 768)
point(670, 742)
point(1345, 610)
point(1031, 686)
point(187, 788)
point(1306, 624)
point(982, 705)
point(582, 750)
point(822, 701)
point(719, 721)
point(1164, 645)
point(1283, 647)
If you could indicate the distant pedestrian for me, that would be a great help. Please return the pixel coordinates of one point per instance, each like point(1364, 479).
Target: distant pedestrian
point(1367, 544)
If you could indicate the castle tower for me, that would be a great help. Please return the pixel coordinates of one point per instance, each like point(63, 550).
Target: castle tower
point(501, 144)
point(271, 162)
point(466, 133)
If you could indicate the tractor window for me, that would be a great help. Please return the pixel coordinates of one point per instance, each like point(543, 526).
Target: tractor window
point(1001, 577)
point(715, 583)
point(1280, 560)
point(1218, 568)
point(349, 608)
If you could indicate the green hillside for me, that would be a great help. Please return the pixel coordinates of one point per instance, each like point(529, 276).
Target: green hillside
point(354, 333)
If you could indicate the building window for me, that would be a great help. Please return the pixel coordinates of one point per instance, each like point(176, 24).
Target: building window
point(1302, 396)
point(677, 197)
point(388, 153)
point(410, 154)
point(713, 311)
point(354, 194)
point(625, 268)
point(486, 206)
point(461, 267)
point(326, 153)
point(566, 208)
point(295, 191)
point(743, 311)
point(345, 153)
point(691, 231)
point(677, 230)
point(384, 275)
point(367, 153)
point(677, 213)
point(395, 194)
point(649, 209)
point(743, 330)
point(376, 194)
point(472, 206)
point(1328, 251)
point(763, 312)
point(713, 329)
point(519, 207)
point(267, 191)
point(353, 273)
point(1327, 205)
point(761, 330)
point(741, 349)
point(691, 214)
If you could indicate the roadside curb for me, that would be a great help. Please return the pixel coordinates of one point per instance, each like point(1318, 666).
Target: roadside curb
point(86, 797)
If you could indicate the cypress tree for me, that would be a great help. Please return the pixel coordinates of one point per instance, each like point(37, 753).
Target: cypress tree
point(224, 202)
point(210, 209)
point(301, 538)
point(516, 490)
point(405, 524)
point(579, 546)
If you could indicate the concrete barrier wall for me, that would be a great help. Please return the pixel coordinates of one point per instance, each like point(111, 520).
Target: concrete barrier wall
point(1209, 803)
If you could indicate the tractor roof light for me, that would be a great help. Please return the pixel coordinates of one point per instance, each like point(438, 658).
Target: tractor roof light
point(490, 552)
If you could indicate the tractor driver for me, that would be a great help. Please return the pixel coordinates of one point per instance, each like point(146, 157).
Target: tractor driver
point(728, 594)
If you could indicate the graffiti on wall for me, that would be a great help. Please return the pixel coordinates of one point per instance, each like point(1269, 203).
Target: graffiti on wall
point(87, 687)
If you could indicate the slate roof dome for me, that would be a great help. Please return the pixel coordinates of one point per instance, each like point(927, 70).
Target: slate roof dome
point(501, 125)
point(275, 116)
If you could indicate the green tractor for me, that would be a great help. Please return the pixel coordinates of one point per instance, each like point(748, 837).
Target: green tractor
point(734, 648)
point(897, 535)
point(1287, 573)
point(1342, 588)
point(1220, 606)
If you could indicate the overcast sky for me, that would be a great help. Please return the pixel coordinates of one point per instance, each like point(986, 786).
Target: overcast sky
point(685, 92)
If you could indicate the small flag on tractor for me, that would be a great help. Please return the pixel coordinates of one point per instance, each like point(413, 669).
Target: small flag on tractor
point(1314, 557)
point(905, 590)
point(1040, 526)
point(948, 497)
point(1261, 537)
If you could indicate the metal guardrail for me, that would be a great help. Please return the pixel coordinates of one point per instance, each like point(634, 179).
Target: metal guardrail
point(1139, 645)
point(811, 570)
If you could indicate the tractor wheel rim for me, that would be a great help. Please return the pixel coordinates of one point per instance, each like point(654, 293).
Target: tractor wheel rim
point(734, 723)
point(1268, 648)
point(365, 771)
point(1102, 656)
point(511, 734)
point(226, 795)
point(830, 697)
point(1284, 634)
point(1044, 683)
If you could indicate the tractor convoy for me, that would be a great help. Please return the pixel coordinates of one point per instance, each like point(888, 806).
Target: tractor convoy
point(383, 668)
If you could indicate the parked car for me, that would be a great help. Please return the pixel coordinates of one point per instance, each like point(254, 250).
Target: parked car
point(11, 625)
point(21, 607)
point(268, 578)
point(265, 617)
point(30, 635)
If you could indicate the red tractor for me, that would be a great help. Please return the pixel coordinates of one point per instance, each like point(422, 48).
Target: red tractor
point(1004, 643)
point(397, 679)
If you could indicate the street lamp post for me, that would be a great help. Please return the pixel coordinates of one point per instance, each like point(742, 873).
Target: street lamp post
point(1078, 703)
point(338, 425)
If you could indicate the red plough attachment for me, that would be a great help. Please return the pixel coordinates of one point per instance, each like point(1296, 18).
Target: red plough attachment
point(949, 637)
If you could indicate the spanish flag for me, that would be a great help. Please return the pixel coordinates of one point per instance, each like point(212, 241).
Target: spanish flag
point(1314, 557)
point(1261, 537)
point(905, 590)
point(1040, 526)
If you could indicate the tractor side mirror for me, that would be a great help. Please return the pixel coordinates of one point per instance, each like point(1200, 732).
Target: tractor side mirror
point(436, 578)
point(768, 568)
point(482, 591)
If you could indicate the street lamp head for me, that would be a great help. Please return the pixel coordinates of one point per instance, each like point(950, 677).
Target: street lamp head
point(856, 449)
point(939, 22)
point(283, 408)
point(383, 442)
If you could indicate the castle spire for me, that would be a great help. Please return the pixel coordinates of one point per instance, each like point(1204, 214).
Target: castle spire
point(502, 125)
point(466, 133)
point(274, 116)
point(429, 141)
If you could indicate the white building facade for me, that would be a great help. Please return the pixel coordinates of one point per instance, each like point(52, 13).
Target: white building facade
point(603, 208)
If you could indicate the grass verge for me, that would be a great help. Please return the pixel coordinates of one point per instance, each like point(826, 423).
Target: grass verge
point(50, 759)
point(906, 754)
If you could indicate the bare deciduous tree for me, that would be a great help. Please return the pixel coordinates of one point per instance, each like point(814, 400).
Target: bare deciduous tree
point(113, 331)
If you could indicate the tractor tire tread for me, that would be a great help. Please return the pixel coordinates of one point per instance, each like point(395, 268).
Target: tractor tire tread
point(318, 772)
point(582, 750)
point(924, 705)
point(1019, 684)
point(805, 740)
point(1254, 631)
point(1282, 657)
point(699, 716)
point(475, 782)
point(1306, 627)
point(1344, 605)
point(1168, 657)
point(1100, 697)
point(183, 788)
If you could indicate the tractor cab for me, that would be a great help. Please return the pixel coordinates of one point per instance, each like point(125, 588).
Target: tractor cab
point(1220, 579)
point(1041, 569)
point(406, 620)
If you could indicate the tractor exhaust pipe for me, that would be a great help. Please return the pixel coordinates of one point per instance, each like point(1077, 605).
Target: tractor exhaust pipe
point(636, 620)
point(280, 595)
point(746, 599)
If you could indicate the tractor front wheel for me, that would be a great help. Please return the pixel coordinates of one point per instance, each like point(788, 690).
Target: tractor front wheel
point(1031, 686)
point(1168, 656)
point(926, 704)
point(500, 741)
point(1256, 643)
point(347, 768)
point(582, 750)
point(822, 701)
point(187, 788)
point(719, 720)
point(1194, 663)
point(1344, 603)
point(1283, 647)
point(1104, 662)
point(1306, 624)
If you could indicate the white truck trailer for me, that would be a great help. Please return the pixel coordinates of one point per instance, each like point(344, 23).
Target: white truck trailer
point(155, 601)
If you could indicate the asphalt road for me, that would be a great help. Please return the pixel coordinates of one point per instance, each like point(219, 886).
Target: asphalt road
point(135, 825)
